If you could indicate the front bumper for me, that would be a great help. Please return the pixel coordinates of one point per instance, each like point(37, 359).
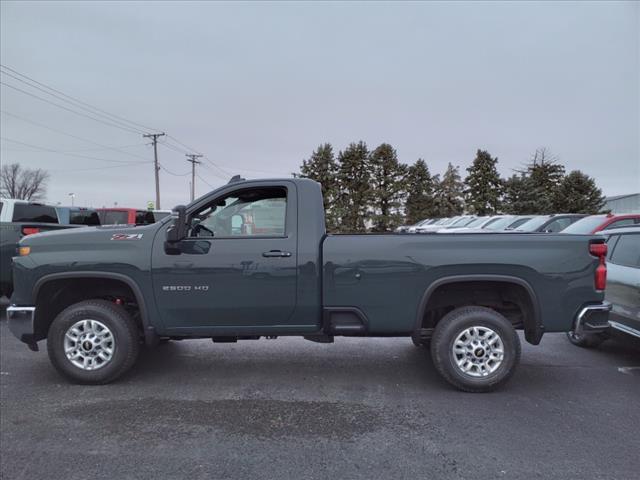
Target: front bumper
point(592, 319)
point(21, 323)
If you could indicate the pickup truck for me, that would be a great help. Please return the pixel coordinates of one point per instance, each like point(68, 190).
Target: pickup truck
point(19, 218)
point(252, 259)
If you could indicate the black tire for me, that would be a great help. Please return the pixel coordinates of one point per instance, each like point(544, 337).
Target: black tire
point(454, 324)
point(125, 345)
point(586, 340)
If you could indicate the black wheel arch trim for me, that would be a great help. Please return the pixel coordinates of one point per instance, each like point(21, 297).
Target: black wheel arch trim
point(148, 329)
point(533, 329)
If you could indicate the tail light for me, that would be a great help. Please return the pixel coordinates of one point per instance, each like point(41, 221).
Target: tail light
point(30, 230)
point(600, 277)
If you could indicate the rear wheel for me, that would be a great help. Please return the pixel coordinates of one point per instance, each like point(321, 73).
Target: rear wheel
point(586, 340)
point(475, 349)
point(93, 342)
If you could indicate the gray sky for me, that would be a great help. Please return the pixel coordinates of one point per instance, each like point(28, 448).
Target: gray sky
point(257, 86)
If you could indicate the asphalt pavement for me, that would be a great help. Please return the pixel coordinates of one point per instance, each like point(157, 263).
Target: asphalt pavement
point(292, 409)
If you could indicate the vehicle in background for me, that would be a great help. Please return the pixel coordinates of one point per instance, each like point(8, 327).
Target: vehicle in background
point(434, 227)
point(461, 223)
point(160, 214)
point(253, 259)
point(596, 223)
point(405, 228)
point(125, 216)
point(623, 288)
point(501, 224)
point(478, 224)
point(78, 216)
point(428, 222)
point(549, 223)
point(19, 218)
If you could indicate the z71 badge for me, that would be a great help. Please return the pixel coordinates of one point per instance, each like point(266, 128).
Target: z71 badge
point(126, 236)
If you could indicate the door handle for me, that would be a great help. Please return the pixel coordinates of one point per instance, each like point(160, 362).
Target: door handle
point(276, 253)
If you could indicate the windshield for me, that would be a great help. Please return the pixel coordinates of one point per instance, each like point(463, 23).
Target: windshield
point(500, 223)
point(477, 222)
point(585, 225)
point(533, 224)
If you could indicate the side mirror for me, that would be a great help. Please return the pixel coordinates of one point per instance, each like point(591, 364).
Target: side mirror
point(178, 231)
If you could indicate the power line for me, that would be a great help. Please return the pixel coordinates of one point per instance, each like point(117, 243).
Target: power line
point(173, 173)
point(78, 155)
point(69, 109)
point(71, 135)
point(73, 99)
point(185, 146)
point(204, 181)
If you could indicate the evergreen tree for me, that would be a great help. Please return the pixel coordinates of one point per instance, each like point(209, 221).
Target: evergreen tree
point(516, 198)
point(322, 168)
point(420, 202)
point(483, 185)
point(543, 177)
point(578, 193)
point(387, 188)
point(449, 193)
point(354, 177)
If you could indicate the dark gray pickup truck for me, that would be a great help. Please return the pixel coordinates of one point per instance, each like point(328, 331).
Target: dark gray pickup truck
point(252, 259)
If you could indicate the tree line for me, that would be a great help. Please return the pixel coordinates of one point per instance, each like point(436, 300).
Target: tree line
point(371, 190)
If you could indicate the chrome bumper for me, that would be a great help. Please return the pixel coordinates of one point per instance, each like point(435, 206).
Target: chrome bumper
point(592, 318)
point(21, 322)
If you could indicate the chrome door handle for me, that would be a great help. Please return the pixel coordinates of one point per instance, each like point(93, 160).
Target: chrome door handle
point(276, 253)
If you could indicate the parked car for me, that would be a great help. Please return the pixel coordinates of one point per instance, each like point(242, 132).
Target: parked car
point(94, 293)
point(434, 227)
point(464, 221)
point(501, 224)
point(405, 228)
point(549, 223)
point(477, 224)
point(78, 216)
point(623, 288)
point(19, 218)
point(428, 222)
point(125, 216)
point(596, 223)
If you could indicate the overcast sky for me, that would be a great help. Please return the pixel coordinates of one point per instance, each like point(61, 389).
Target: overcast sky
point(257, 86)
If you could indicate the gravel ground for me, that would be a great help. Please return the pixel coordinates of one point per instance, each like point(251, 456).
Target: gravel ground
point(288, 408)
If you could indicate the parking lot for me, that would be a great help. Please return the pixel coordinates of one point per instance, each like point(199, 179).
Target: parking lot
point(288, 408)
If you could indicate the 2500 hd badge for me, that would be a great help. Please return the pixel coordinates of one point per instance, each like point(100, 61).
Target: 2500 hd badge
point(185, 288)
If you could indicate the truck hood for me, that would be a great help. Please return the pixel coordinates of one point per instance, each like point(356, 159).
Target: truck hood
point(91, 235)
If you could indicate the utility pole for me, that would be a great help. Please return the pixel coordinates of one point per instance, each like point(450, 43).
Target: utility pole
point(191, 158)
point(156, 166)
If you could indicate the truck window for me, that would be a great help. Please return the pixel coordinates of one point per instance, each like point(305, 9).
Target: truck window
point(627, 250)
point(115, 218)
point(84, 217)
point(255, 212)
point(144, 217)
point(31, 212)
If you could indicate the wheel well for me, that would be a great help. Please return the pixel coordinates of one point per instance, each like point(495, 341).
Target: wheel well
point(56, 295)
point(512, 300)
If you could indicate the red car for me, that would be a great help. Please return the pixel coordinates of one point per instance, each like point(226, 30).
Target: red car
point(125, 216)
point(597, 223)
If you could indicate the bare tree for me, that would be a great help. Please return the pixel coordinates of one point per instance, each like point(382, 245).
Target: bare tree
point(23, 183)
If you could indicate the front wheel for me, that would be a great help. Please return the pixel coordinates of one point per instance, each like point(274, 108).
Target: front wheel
point(475, 349)
point(93, 342)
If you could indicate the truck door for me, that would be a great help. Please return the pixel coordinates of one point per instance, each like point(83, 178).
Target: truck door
point(237, 267)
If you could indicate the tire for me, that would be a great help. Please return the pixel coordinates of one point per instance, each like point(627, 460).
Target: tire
point(476, 367)
point(104, 326)
point(587, 340)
